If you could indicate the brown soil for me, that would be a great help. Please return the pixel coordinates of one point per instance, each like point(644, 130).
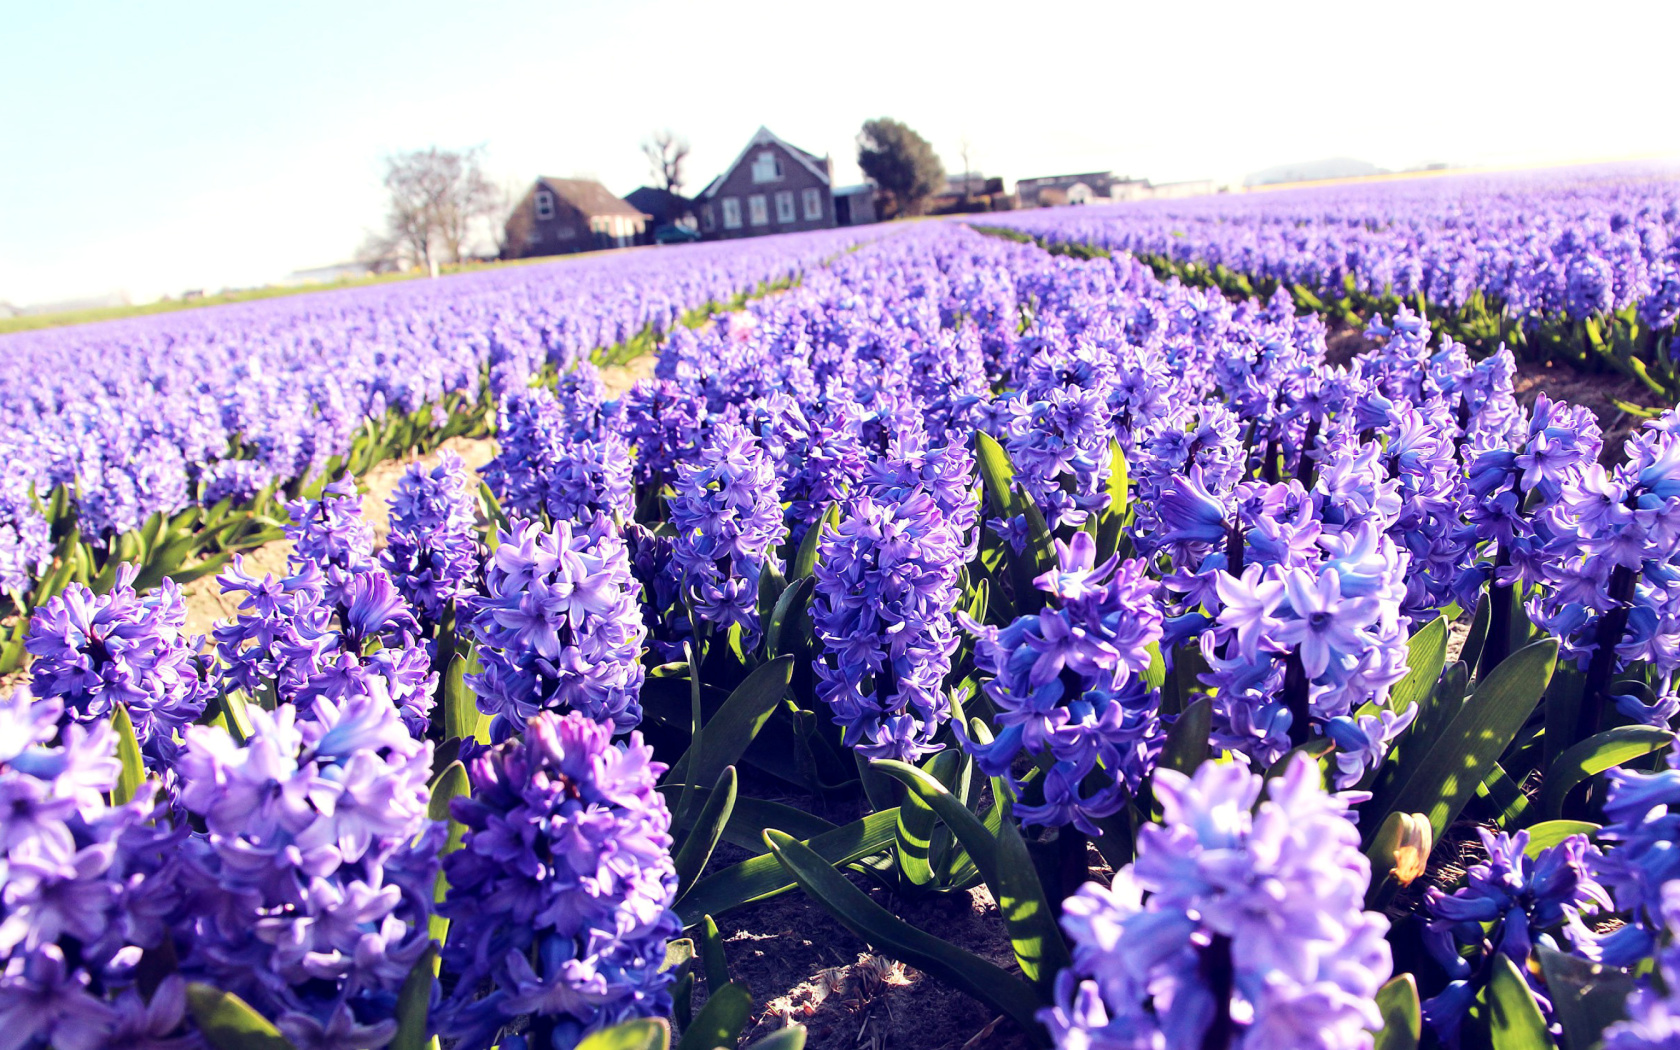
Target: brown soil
point(1597, 391)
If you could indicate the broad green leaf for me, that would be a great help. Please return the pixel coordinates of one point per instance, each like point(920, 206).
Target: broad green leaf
point(712, 959)
point(719, 1022)
point(1186, 746)
point(460, 708)
point(227, 1022)
point(762, 876)
point(1439, 778)
point(1006, 866)
point(854, 910)
point(1426, 655)
point(1594, 755)
point(414, 1003)
point(1549, 833)
point(916, 821)
point(447, 786)
point(736, 723)
point(643, 1033)
point(791, 1038)
point(1402, 1015)
point(771, 584)
point(708, 827)
point(1586, 998)
point(133, 772)
point(805, 561)
point(1503, 793)
point(789, 607)
point(1514, 1018)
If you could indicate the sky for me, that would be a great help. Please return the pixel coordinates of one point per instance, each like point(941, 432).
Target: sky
point(146, 149)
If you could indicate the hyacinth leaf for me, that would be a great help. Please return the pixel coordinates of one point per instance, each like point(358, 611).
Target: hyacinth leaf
point(133, 772)
point(227, 1022)
point(1439, 778)
point(1548, 833)
point(1111, 524)
point(998, 474)
point(1315, 749)
point(736, 724)
point(805, 559)
point(789, 608)
point(1593, 756)
point(719, 1022)
point(1426, 656)
point(1586, 998)
point(460, 709)
point(702, 838)
point(682, 999)
point(761, 877)
point(771, 584)
point(492, 507)
point(1187, 741)
point(696, 735)
point(854, 910)
point(1514, 1018)
point(712, 960)
point(1502, 792)
point(792, 1038)
point(916, 821)
point(1402, 1014)
point(414, 1003)
point(643, 1033)
point(1006, 866)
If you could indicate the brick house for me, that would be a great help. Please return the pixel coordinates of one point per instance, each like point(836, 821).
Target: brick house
point(561, 216)
point(772, 187)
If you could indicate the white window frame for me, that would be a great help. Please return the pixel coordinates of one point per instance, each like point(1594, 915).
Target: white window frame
point(545, 205)
point(766, 167)
point(784, 206)
point(565, 233)
point(758, 209)
point(731, 213)
point(813, 204)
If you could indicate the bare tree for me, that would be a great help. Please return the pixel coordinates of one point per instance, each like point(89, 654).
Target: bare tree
point(968, 170)
point(437, 196)
point(665, 153)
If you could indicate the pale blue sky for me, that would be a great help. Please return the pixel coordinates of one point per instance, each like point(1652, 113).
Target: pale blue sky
point(154, 147)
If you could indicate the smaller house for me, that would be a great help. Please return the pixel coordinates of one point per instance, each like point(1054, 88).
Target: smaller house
point(561, 216)
point(1049, 190)
point(855, 205)
point(663, 208)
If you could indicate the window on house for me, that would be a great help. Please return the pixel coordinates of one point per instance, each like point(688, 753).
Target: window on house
point(565, 233)
point(708, 219)
point(784, 205)
point(758, 210)
point(545, 205)
point(813, 203)
point(732, 213)
point(767, 167)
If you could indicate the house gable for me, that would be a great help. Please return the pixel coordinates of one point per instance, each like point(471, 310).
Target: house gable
point(560, 216)
point(771, 187)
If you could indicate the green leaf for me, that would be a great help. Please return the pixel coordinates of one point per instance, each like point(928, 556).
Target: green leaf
point(805, 561)
point(451, 784)
point(1186, 746)
point(1008, 869)
point(1499, 789)
point(789, 607)
point(1426, 656)
point(133, 772)
point(1402, 1015)
point(1594, 755)
point(1438, 775)
point(771, 584)
point(227, 1022)
point(414, 1003)
point(708, 827)
point(643, 1033)
point(737, 722)
point(998, 474)
point(460, 708)
point(719, 1022)
point(791, 1038)
point(712, 959)
point(916, 821)
point(871, 922)
point(1586, 998)
point(1514, 1018)
point(1549, 833)
point(762, 877)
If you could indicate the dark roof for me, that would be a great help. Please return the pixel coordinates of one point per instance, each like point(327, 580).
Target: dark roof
point(662, 205)
point(589, 197)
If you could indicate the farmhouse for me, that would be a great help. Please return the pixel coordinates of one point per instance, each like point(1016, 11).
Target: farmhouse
point(561, 216)
point(771, 187)
point(1048, 190)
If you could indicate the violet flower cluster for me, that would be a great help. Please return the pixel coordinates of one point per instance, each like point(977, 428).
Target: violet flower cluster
point(557, 459)
point(432, 551)
point(886, 592)
point(95, 652)
point(310, 890)
point(1068, 684)
point(560, 627)
point(560, 896)
point(1237, 926)
point(726, 510)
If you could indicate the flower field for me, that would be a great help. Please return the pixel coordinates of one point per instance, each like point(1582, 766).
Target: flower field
point(1257, 702)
